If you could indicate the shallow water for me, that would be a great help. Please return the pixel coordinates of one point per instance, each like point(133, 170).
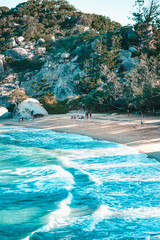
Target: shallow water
point(67, 186)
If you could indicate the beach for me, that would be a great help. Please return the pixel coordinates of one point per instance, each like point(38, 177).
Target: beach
point(119, 128)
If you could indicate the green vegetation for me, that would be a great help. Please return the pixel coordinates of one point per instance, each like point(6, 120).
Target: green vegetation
point(53, 106)
point(23, 65)
point(104, 85)
point(17, 96)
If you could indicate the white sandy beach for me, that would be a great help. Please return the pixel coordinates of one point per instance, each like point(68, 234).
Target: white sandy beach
point(118, 128)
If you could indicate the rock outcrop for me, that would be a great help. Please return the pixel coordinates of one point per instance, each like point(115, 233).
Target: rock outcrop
point(54, 78)
point(126, 60)
point(18, 53)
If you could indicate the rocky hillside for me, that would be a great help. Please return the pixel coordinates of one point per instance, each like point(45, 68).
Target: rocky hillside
point(50, 48)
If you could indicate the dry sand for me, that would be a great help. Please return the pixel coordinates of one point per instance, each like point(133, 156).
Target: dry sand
point(118, 128)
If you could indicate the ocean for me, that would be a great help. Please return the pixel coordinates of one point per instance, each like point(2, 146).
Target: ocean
point(72, 187)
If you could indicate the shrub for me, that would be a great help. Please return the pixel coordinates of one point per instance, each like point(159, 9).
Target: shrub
point(52, 105)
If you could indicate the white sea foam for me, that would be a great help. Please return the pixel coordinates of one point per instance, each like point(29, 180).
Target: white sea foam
point(135, 178)
point(104, 212)
point(101, 213)
point(69, 163)
point(76, 154)
point(118, 165)
point(43, 178)
point(57, 218)
point(140, 213)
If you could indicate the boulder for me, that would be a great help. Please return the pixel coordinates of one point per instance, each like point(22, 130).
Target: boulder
point(125, 54)
point(2, 62)
point(40, 50)
point(65, 56)
point(18, 53)
point(28, 109)
point(6, 115)
point(132, 49)
point(53, 39)
point(13, 42)
point(1, 66)
point(3, 110)
point(40, 41)
point(127, 64)
point(19, 40)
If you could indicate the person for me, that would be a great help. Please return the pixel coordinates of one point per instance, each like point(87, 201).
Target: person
point(128, 112)
point(86, 114)
point(141, 123)
point(90, 114)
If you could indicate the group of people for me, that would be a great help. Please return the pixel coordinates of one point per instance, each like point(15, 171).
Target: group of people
point(88, 114)
point(77, 117)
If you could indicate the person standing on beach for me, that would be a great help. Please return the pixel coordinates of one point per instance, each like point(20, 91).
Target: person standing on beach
point(86, 114)
point(141, 123)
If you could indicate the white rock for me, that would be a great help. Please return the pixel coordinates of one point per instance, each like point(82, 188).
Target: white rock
point(2, 63)
point(40, 41)
point(1, 66)
point(19, 53)
point(53, 39)
point(13, 42)
point(19, 40)
point(3, 110)
point(65, 55)
point(86, 28)
point(40, 50)
point(28, 109)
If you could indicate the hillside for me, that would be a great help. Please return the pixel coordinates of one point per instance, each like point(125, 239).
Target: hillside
point(74, 60)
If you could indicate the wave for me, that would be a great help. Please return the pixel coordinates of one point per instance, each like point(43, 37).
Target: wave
point(57, 218)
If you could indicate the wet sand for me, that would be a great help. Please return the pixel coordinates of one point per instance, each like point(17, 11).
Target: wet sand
point(119, 128)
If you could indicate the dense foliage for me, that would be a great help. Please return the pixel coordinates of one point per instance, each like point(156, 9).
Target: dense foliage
point(106, 84)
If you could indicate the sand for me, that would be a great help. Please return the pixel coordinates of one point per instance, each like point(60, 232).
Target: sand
point(119, 128)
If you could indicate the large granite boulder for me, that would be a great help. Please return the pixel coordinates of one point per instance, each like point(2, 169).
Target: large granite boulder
point(3, 110)
point(18, 53)
point(6, 115)
point(28, 109)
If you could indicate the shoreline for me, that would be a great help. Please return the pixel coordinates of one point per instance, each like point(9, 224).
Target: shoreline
point(119, 128)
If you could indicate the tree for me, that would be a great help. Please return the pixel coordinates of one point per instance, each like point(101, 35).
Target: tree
point(17, 96)
point(146, 19)
point(144, 82)
point(146, 14)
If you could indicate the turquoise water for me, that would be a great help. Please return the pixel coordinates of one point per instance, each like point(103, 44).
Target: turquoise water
point(67, 186)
